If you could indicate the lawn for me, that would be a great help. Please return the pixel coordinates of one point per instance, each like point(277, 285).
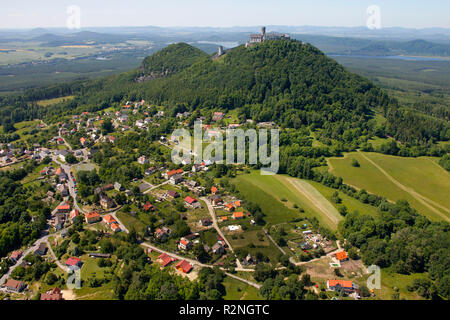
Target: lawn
point(391, 280)
point(237, 290)
point(131, 222)
point(423, 183)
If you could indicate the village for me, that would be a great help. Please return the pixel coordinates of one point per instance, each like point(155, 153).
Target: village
point(211, 219)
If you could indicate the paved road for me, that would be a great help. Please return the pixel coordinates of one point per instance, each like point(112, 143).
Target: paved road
point(25, 253)
point(156, 187)
point(195, 262)
point(58, 263)
point(216, 226)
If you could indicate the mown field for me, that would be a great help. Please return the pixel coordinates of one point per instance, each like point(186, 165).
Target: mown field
point(278, 195)
point(420, 181)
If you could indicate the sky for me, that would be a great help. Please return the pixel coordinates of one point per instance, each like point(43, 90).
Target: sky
point(225, 13)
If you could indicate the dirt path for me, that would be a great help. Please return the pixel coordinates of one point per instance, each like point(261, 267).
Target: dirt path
point(316, 199)
point(422, 199)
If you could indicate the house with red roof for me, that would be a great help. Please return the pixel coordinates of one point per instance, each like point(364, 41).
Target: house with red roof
point(184, 244)
point(229, 207)
point(184, 266)
point(82, 141)
point(173, 194)
point(148, 207)
point(189, 201)
point(238, 215)
point(15, 255)
point(337, 285)
point(341, 256)
point(73, 261)
point(109, 219)
point(92, 217)
point(74, 214)
point(53, 294)
point(214, 190)
point(63, 208)
point(14, 285)
point(162, 233)
point(170, 173)
point(115, 227)
point(164, 260)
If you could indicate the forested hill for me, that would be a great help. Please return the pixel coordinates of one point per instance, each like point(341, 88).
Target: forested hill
point(287, 82)
point(171, 59)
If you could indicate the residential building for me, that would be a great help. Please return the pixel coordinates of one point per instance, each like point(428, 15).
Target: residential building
point(148, 207)
point(92, 217)
point(341, 256)
point(41, 250)
point(205, 222)
point(184, 266)
point(109, 219)
point(184, 244)
point(74, 214)
point(238, 215)
point(117, 186)
point(336, 285)
point(15, 255)
point(229, 207)
point(218, 248)
point(176, 179)
point(74, 262)
point(14, 285)
point(142, 160)
point(106, 202)
point(164, 260)
point(173, 194)
point(170, 173)
point(53, 294)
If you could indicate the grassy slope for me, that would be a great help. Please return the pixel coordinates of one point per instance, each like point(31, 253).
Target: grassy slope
point(268, 192)
point(351, 203)
point(421, 174)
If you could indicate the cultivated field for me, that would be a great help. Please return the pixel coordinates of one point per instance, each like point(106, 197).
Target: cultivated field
point(420, 181)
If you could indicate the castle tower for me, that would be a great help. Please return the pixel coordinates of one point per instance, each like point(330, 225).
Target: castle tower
point(263, 33)
point(220, 51)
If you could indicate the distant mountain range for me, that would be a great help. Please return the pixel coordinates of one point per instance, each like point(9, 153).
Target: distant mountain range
point(331, 40)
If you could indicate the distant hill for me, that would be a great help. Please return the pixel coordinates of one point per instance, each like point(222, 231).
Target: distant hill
point(288, 82)
point(415, 47)
point(79, 38)
point(172, 59)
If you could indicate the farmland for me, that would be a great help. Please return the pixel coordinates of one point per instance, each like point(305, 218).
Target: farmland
point(420, 181)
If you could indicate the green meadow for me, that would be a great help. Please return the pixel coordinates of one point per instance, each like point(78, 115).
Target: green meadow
point(420, 181)
point(278, 195)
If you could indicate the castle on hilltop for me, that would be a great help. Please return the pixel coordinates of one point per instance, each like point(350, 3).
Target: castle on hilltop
point(257, 38)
